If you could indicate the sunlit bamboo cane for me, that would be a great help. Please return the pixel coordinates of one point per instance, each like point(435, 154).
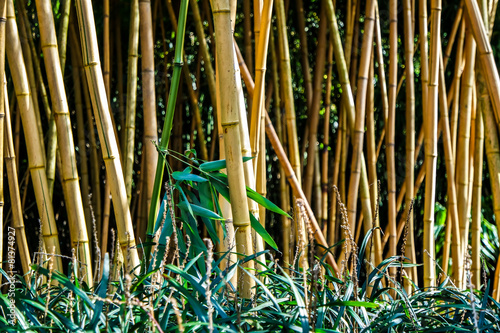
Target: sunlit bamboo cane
point(230, 121)
point(35, 153)
point(430, 123)
point(69, 172)
point(107, 137)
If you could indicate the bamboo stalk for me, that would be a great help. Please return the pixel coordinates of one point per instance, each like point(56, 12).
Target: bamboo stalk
point(167, 125)
point(492, 148)
point(62, 36)
point(485, 55)
point(133, 49)
point(313, 118)
point(82, 149)
point(410, 137)
point(260, 73)
point(453, 221)
point(35, 153)
point(431, 145)
point(3, 103)
point(107, 137)
point(476, 195)
point(69, 172)
point(12, 177)
point(390, 127)
point(326, 143)
point(149, 99)
point(230, 122)
point(286, 76)
point(456, 95)
point(348, 104)
point(304, 53)
point(247, 36)
point(462, 162)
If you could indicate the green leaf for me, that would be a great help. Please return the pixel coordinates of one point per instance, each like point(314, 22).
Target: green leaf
point(198, 210)
point(352, 303)
point(262, 232)
point(218, 165)
point(101, 292)
point(187, 176)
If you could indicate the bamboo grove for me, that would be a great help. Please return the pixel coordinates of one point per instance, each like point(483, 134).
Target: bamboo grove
point(355, 117)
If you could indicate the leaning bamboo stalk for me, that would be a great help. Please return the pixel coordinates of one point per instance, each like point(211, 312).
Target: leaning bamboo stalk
point(195, 109)
point(95, 183)
point(297, 190)
point(133, 47)
point(492, 147)
point(462, 162)
point(107, 137)
point(35, 154)
point(69, 171)
point(410, 137)
point(12, 177)
point(483, 103)
point(167, 125)
point(289, 172)
point(430, 123)
point(149, 98)
point(348, 104)
point(485, 55)
point(230, 121)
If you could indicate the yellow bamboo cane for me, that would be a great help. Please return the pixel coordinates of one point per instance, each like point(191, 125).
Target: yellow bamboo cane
point(35, 154)
point(430, 122)
point(230, 121)
point(107, 137)
point(17, 212)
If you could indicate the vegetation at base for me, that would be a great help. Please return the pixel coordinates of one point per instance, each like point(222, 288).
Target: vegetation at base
point(187, 287)
point(184, 299)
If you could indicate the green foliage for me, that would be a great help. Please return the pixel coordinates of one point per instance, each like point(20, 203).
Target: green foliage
point(175, 298)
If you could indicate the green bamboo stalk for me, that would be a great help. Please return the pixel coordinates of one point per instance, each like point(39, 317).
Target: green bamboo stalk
point(167, 125)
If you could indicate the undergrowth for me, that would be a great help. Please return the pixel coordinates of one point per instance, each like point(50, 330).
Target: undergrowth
point(186, 287)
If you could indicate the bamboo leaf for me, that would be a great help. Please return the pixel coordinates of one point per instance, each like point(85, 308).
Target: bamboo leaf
point(218, 165)
point(186, 175)
point(262, 232)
